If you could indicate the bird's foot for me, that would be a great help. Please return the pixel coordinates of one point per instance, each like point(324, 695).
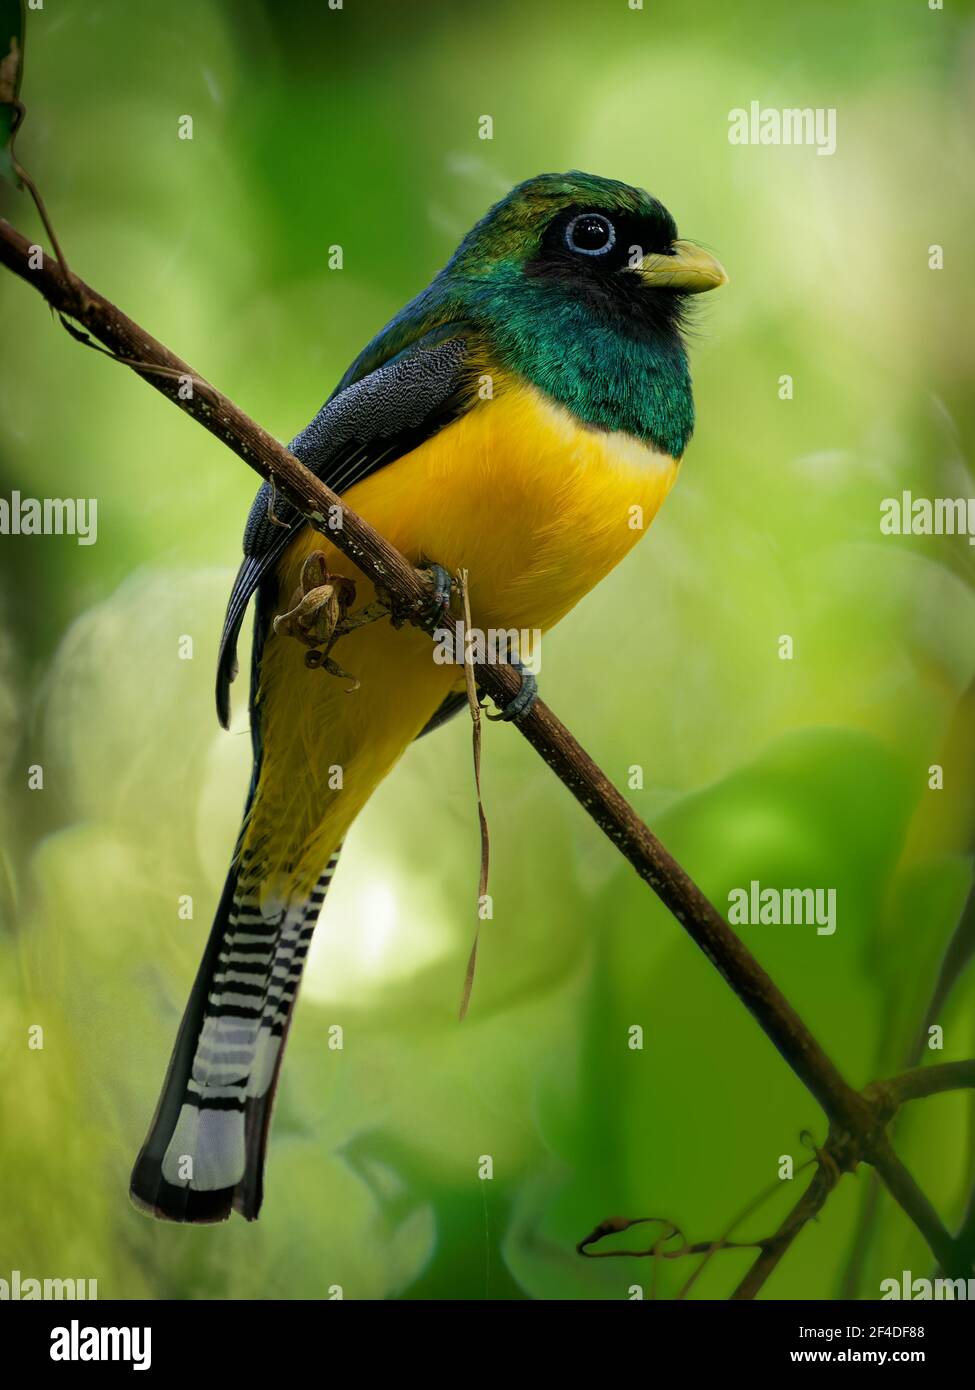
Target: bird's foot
point(519, 705)
point(436, 608)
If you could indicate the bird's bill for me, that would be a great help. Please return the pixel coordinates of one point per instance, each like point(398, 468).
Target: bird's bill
point(689, 269)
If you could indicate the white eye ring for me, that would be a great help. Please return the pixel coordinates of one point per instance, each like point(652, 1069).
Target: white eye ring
point(587, 250)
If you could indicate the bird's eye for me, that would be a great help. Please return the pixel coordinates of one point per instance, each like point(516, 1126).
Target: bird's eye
point(590, 234)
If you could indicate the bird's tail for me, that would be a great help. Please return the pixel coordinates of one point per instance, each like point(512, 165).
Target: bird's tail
point(204, 1154)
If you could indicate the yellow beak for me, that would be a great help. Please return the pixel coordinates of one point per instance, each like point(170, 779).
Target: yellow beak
point(690, 269)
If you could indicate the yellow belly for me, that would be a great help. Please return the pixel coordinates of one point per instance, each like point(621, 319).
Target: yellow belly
point(536, 509)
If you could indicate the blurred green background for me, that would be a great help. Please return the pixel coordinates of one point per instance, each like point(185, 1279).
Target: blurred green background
point(360, 127)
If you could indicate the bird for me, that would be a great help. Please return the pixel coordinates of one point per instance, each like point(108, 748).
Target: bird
point(522, 420)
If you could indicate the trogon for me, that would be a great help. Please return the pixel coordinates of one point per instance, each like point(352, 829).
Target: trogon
point(511, 421)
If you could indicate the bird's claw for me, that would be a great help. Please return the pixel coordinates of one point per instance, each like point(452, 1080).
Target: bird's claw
point(436, 607)
point(519, 705)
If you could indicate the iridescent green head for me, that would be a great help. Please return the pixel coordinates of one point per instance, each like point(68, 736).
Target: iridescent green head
point(580, 284)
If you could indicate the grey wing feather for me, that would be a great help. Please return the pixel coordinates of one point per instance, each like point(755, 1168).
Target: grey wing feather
point(368, 424)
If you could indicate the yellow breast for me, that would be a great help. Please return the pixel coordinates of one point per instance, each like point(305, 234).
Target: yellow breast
point(537, 508)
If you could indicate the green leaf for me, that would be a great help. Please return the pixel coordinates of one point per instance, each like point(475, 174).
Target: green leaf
point(12, 26)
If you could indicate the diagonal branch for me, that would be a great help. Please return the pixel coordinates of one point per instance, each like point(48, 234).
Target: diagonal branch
point(392, 574)
point(390, 571)
point(809, 1205)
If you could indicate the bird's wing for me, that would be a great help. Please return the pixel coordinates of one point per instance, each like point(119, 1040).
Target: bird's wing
point(365, 425)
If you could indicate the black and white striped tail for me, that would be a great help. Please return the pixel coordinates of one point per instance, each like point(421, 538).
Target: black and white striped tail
point(204, 1155)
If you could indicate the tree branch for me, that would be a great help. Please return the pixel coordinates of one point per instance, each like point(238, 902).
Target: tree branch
point(392, 574)
point(909, 1197)
point(809, 1205)
point(921, 1082)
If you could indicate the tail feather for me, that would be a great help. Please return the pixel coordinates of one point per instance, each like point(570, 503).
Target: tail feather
point(204, 1155)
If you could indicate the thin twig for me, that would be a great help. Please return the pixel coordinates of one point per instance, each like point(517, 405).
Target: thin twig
point(707, 1248)
point(475, 709)
point(809, 1205)
point(921, 1082)
point(909, 1197)
point(20, 112)
point(724, 1242)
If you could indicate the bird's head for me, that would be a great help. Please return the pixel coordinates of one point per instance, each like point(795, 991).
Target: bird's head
point(584, 284)
point(605, 242)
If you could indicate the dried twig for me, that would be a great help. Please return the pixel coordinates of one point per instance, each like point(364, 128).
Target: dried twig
point(475, 709)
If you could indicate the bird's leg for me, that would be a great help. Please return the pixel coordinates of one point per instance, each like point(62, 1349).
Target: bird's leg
point(442, 583)
point(432, 610)
point(519, 705)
